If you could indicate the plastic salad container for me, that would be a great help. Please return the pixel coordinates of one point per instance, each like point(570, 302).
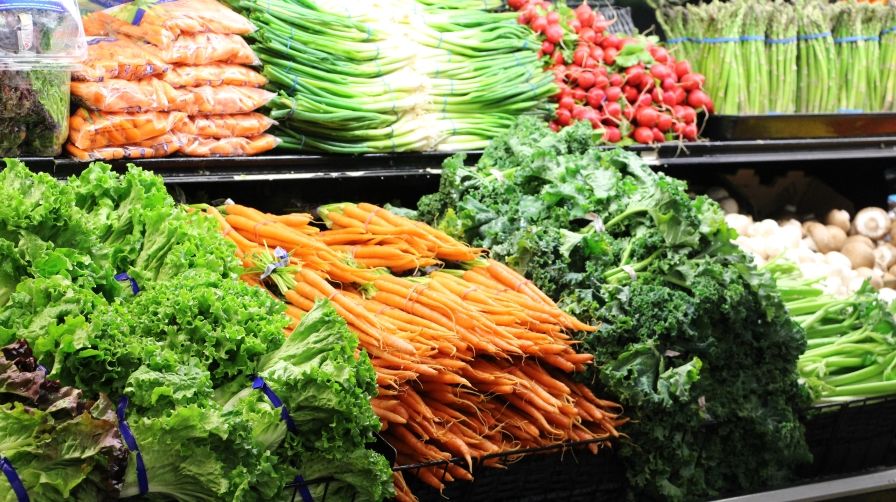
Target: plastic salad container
point(41, 41)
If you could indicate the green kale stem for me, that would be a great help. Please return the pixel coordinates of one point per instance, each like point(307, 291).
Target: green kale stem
point(616, 275)
point(623, 215)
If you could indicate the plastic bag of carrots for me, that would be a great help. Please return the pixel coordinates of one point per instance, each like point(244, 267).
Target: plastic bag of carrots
point(154, 95)
point(221, 100)
point(214, 74)
point(162, 23)
point(205, 48)
point(197, 146)
point(90, 130)
point(160, 146)
point(117, 95)
point(111, 57)
point(225, 126)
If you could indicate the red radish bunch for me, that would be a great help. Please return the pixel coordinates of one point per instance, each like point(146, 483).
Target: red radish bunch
point(652, 99)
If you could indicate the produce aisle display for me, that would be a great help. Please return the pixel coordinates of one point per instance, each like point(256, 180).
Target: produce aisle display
point(554, 312)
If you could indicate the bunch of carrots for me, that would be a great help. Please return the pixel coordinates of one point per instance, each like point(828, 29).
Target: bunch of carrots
point(471, 358)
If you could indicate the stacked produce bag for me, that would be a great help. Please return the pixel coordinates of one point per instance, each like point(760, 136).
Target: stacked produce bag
point(166, 78)
point(775, 56)
point(40, 43)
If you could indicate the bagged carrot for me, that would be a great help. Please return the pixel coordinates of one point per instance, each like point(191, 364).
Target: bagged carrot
point(225, 126)
point(214, 74)
point(89, 130)
point(160, 146)
point(221, 100)
point(116, 95)
point(205, 48)
point(117, 57)
point(161, 23)
point(196, 146)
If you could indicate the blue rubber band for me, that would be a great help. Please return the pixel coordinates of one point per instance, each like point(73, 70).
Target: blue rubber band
point(260, 384)
point(814, 36)
point(891, 29)
point(439, 44)
point(135, 288)
point(282, 261)
point(302, 487)
point(788, 40)
point(15, 482)
point(849, 110)
point(677, 40)
point(131, 442)
point(856, 38)
point(752, 38)
point(718, 40)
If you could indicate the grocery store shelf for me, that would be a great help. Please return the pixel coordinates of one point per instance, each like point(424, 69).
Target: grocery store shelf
point(271, 167)
point(762, 151)
point(411, 165)
point(833, 489)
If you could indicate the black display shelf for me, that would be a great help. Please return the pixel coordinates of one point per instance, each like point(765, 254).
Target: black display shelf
point(705, 154)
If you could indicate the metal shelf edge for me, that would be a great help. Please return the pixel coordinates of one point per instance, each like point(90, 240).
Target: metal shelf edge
point(827, 489)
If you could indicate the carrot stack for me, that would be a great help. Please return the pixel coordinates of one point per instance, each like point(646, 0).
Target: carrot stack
point(175, 78)
point(471, 357)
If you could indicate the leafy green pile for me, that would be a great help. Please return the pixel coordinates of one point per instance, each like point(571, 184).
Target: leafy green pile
point(186, 347)
point(61, 445)
point(693, 340)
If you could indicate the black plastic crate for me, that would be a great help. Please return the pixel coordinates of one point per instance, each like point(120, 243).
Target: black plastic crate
point(851, 436)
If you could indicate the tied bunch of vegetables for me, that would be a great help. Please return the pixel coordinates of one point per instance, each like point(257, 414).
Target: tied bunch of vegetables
point(677, 301)
point(132, 301)
point(851, 346)
point(401, 75)
point(627, 87)
point(470, 359)
point(815, 55)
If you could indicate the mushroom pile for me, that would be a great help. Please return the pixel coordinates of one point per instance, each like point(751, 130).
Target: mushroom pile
point(843, 252)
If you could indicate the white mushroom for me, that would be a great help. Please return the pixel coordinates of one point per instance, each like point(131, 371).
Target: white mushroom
point(861, 239)
point(838, 218)
point(729, 205)
point(827, 237)
point(885, 256)
point(739, 222)
point(872, 222)
point(859, 255)
point(764, 228)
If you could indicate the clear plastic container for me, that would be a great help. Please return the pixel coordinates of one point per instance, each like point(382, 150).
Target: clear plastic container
point(41, 41)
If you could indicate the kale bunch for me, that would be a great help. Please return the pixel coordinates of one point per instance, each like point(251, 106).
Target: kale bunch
point(694, 341)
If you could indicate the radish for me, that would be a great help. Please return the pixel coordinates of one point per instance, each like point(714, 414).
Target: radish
point(668, 84)
point(613, 110)
point(698, 99)
point(564, 117)
point(691, 81)
point(554, 126)
point(647, 117)
point(660, 54)
point(575, 25)
point(587, 35)
point(597, 53)
point(612, 134)
point(690, 132)
point(578, 94)
point(516, 4)
point(553, 17)
point(595, 97)
point(628, 112)
point(578, 112)
point(634, 75)
point(590, 63)
point(554, 33)
point(567, 103)
point(584, 14)
point(630, 93)
point(664, 122)
point(610, 55)
point(669, 97)
point(557, 57)
point(658, 135)
point(601, 82)
point(612, 41)
point(688, 115)
point(547, 47)
point(660, 71)
point(680, 95)
point(682, 68)
point(644, 100)
point(643, 135)
point(539, 24)
point(614, 93)
point(586, 80)
point(616, 80)
point(579, 56)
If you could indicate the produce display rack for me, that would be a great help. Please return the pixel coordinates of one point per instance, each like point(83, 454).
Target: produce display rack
point(703, 154)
